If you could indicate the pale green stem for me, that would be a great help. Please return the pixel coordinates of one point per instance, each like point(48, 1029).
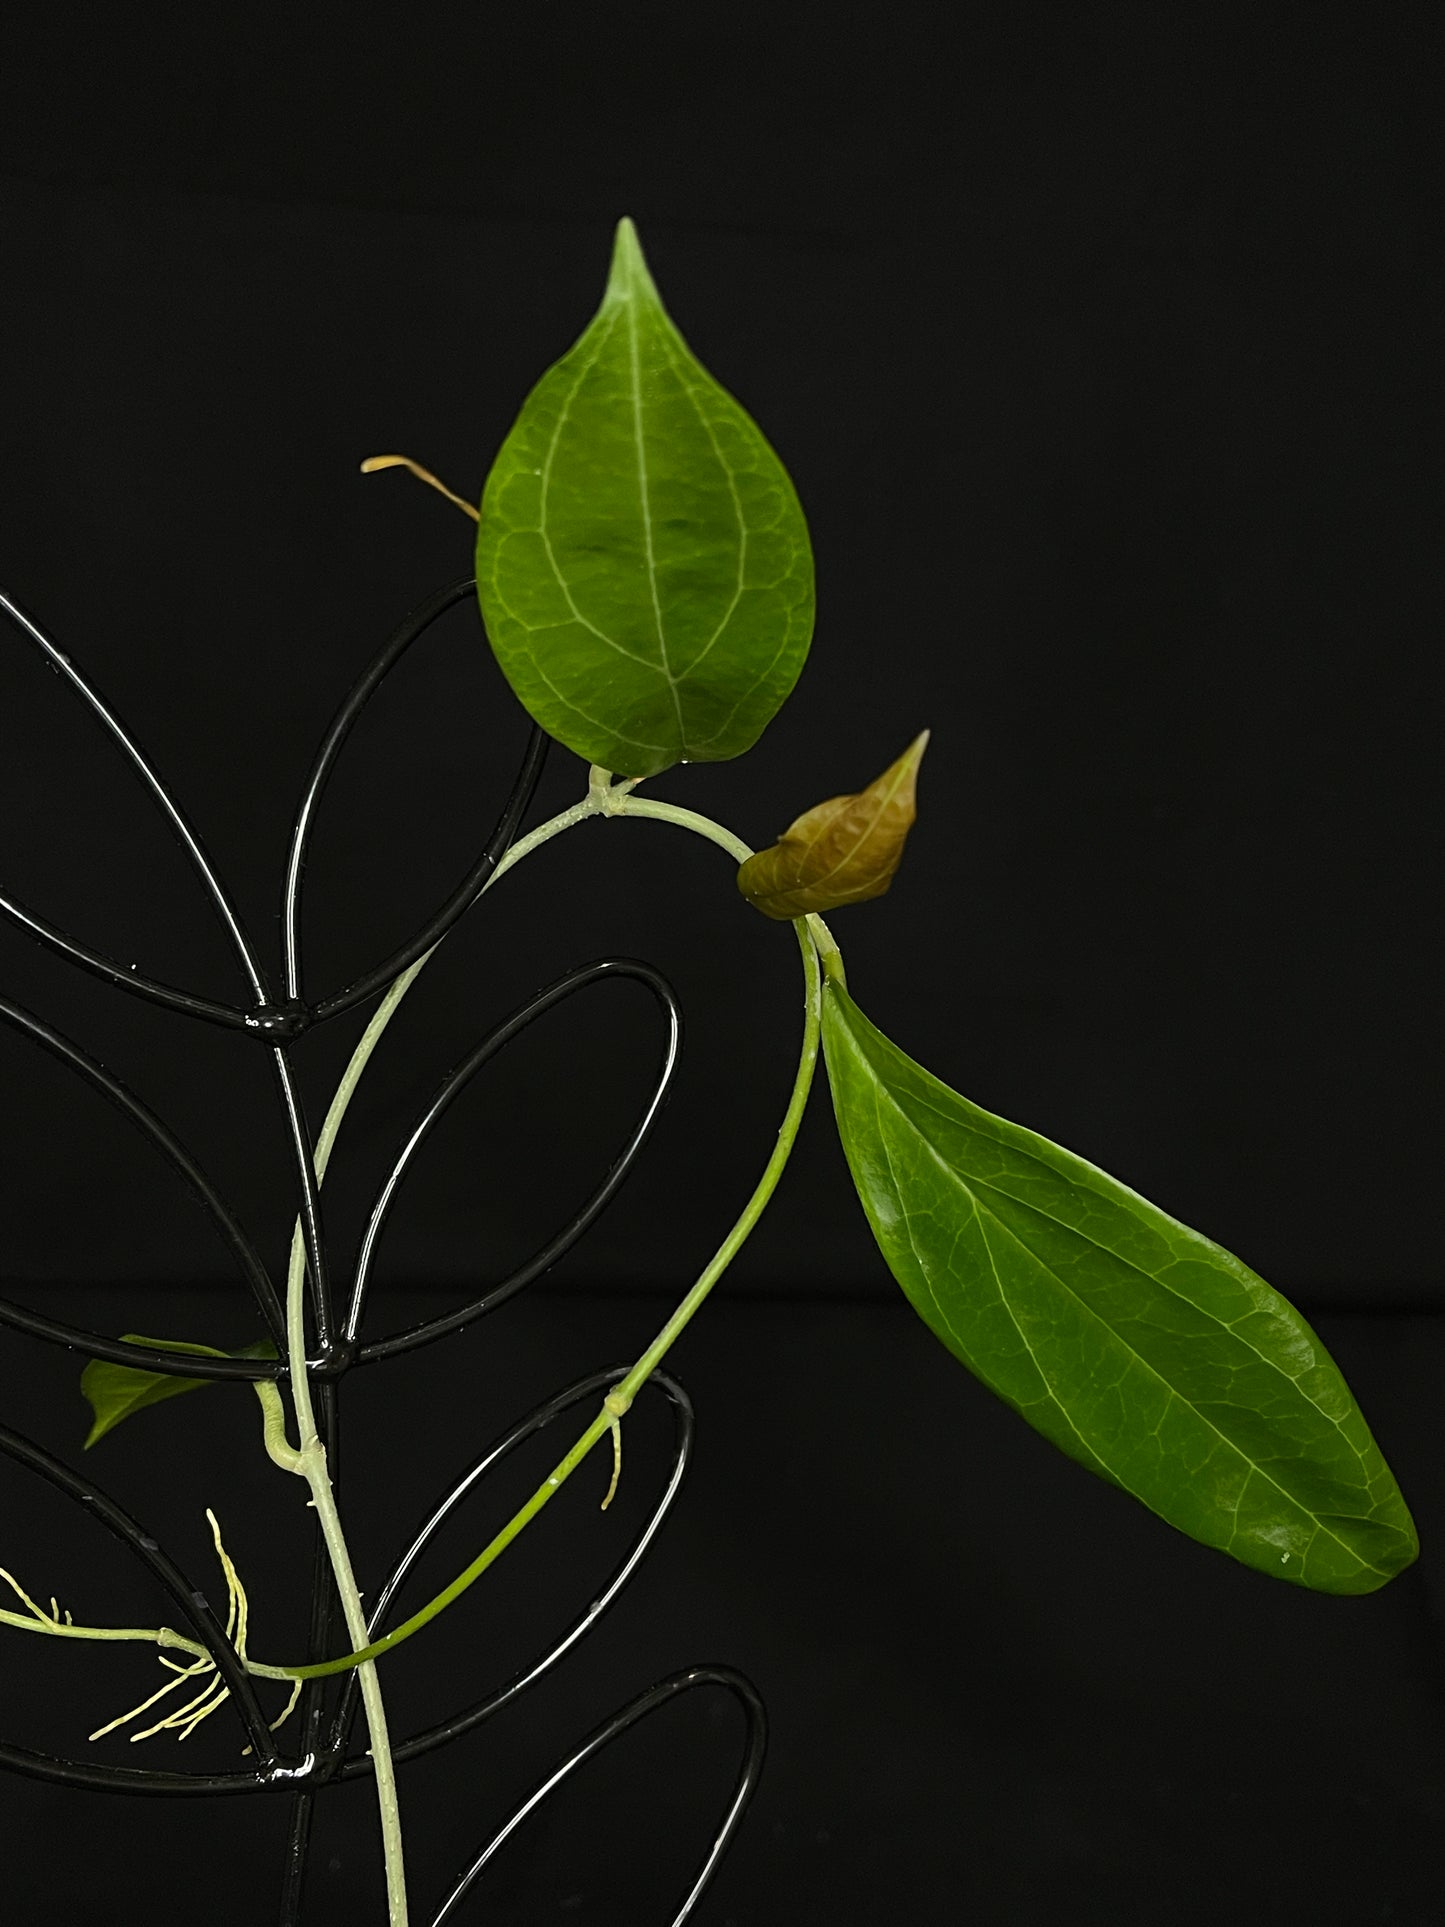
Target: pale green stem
point(591, 805)
point(157, 1635)
point(824, 941)
point(601, 800)
point(310, 1461)
point(813, 938)
point(308, 1456)
point(820, 956)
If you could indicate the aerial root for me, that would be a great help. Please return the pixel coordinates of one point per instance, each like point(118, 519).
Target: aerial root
point(184, 1719)
point(49, 1620)
point(616, 1405)
point(616, 1465)
point(373, 463)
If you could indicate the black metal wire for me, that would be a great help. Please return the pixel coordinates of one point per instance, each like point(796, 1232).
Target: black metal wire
point(253, 1267)
point(281, 1022)
point(322, 1758)
point(319, 1762)
point(110, 971)
point(190, 1599)
point(174, 815)
point(321, 1635)
point(452, 1087)
point(747, 1696)
point(471, 886)
point(303, 1150)
point(452, 1728)
point(86, 1776)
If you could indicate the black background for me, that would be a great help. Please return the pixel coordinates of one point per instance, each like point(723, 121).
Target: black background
point(1096, 342)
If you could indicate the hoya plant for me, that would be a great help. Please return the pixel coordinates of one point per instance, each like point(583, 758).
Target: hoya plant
point(645, 581)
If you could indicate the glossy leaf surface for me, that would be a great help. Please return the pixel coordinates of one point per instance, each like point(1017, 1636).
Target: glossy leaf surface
point(643, 563)
point(1139, 1347)
point(846, 850)
point(115, 1392)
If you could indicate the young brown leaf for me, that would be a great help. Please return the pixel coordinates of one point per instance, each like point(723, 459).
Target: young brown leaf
point(841, 851)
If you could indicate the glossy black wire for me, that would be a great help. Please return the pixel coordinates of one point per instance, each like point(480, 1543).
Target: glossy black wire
point(467, 891)
point(303, 1151)
point(606, 968)
point(321, 1635)
point(97, 964)
point(734, 1682)
point(253, 1267)
point(594, 1385)
point(461, 899)
point(86, 1776)
point(191, 1601)
point(180, 826)
point(326, 1412)
point(321, 1763)
point(279, 1024)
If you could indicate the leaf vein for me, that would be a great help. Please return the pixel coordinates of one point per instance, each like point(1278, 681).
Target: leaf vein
point(563, 413)
point(966, 1186)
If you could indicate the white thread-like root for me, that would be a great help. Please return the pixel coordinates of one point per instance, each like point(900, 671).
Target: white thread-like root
point(616, 1465)
point(183, 1720)
point(616, 1405)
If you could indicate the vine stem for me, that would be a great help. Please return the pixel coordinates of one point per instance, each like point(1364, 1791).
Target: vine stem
point(820, 953)
point(309, 1461)
point(308, 1457)
point(821, 956)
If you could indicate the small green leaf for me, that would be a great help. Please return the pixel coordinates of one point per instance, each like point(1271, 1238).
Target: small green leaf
point(114, 1392)
point(643, 563)
point(1139, 1347)
point(839, 852)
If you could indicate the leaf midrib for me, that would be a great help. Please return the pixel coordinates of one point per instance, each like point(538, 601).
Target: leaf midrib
point(563, 415)
point(646, 508)
point(674, 682)
point(1151, 1277)
point(1108, 1251)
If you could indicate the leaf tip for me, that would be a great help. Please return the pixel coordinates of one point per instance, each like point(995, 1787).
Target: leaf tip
point(629, 277)
point(913, 755)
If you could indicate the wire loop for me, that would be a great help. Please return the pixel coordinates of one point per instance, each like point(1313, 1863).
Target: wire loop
point(747, 1696)
point(322, 1756)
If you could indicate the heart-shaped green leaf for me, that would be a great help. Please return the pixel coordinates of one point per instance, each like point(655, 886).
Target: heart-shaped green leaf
point(114, 1392)
point(1142, 1349)
point(643, 563)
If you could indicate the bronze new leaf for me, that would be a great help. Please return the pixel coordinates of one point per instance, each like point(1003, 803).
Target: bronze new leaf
point(842, 851)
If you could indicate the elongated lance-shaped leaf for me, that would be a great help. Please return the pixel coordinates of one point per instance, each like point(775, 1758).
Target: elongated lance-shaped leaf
point(114, 1392)
point(1142, 1349)
point(643, 564)
point(843, 851)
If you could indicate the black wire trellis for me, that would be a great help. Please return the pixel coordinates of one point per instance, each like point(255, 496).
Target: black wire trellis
point(325, 1755)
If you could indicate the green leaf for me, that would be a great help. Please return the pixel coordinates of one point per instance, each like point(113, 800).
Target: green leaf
point(114, 1392)
point(643, 563)
point(1143, 1350)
